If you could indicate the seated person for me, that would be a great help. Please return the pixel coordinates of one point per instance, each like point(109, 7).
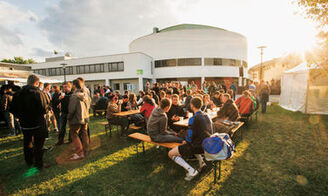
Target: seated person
point(245, 104)
point(147, 107)
point(229, 111)
point(102, 103)
point(137, 119)
point(169, 93)
point(256, 101)
point(176, 111)
point(200, 127)
point(208, 103)
point(125, 103)
point(157, 124)
point(114, 106)
point(216, 99)
point(186, 105)
point(94, 100)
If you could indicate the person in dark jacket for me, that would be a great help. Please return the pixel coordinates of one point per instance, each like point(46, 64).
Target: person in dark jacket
point(55, 104)
point(200, 127)
point(157, 124)
point(64, 101)
point(6, 99)
point(29, 106)
point(229, 111)
point(264, 96)
point(175, 113)
point(217, 99)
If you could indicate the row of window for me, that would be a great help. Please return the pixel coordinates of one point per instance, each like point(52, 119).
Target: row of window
point(82, 69)
point(198, 62)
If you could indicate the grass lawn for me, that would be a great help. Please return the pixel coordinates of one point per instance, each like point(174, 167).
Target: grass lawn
point(284, 153)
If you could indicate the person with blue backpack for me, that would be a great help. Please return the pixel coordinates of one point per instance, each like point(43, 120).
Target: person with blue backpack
point(200, 128)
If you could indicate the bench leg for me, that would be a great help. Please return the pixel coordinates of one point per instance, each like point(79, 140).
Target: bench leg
point(137, 149)
point(143, 147)
point(215, 164)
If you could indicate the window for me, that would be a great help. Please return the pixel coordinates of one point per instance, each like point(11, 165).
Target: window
point(117, 86)
point(125, 86)
point(114, 67)
point(120, 66)
point(213, 61)
point(86, 68)
point(166, 63)
point(189, 62)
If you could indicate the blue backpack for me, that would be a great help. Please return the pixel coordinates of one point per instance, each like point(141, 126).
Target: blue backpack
point(218, 147)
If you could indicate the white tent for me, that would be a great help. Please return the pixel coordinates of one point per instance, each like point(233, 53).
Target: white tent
point(305, 89)
point(21, 77)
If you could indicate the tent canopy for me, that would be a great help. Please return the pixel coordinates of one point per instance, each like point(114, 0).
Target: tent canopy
point(21, 76)
point(305, 88)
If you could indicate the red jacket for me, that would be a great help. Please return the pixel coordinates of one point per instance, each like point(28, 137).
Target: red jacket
point(147, 109)
point(245, 105)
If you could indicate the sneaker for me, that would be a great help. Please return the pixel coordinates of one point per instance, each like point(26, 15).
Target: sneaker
point(11, 134)
point(76, 157)
point(191, 176)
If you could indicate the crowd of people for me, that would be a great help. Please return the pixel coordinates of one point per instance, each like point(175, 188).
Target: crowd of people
point(36, 106)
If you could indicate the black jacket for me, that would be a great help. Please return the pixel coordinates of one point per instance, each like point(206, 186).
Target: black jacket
point(64, 102)
point(29, 106)
point(55, 102)
point(175, 110)
point(201, 128)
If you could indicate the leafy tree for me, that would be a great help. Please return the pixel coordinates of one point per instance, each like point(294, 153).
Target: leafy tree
point(18, 60)
point(317, 10)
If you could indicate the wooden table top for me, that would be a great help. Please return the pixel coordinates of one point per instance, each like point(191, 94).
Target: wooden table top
point(184, 122)
point(146, 138)
point(127, 113)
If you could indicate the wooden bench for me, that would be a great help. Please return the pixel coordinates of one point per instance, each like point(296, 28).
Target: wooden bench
point(135, 128)
point(145, 138)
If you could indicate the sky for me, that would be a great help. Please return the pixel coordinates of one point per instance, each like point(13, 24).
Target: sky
point(34, 28)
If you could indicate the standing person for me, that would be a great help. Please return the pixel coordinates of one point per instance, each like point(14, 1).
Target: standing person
point(64, 101)
point(234, 90)
point(157, 124)
point(29, 106)
point(50, 114)
point(55, 104)
point(264, 96)
point(78, 118)
point(5, 106)
point(147, 87)
point(200, 127)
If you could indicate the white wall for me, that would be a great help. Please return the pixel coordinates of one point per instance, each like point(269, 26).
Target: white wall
point(132, 62)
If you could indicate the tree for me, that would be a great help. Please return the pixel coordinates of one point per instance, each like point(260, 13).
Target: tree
point(18, 60)
point(317, 10)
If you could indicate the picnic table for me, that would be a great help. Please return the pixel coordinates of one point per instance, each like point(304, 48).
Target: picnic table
point(184, 122)
point(126, 113)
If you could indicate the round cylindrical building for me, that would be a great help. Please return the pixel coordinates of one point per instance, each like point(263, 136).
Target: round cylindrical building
point(194, 52)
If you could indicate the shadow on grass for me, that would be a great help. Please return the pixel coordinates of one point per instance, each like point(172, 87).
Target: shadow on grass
point(13, 170)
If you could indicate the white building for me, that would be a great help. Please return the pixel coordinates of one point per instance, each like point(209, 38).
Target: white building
point(184, 52)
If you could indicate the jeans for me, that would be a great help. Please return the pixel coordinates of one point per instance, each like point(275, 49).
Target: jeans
point(81, 147)
point(62, 128)
point(10, 121)
point(33, 143)
point(57, 116)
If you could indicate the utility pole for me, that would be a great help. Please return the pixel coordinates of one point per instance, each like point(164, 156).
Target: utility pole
point(261, 66)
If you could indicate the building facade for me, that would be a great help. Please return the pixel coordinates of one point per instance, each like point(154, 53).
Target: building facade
point(184, 52)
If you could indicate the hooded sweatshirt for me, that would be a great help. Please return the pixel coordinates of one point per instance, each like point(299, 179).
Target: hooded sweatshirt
point(78, 108)
point(157, 123)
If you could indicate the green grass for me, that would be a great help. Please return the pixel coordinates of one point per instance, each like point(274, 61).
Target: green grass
point(284, 153)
